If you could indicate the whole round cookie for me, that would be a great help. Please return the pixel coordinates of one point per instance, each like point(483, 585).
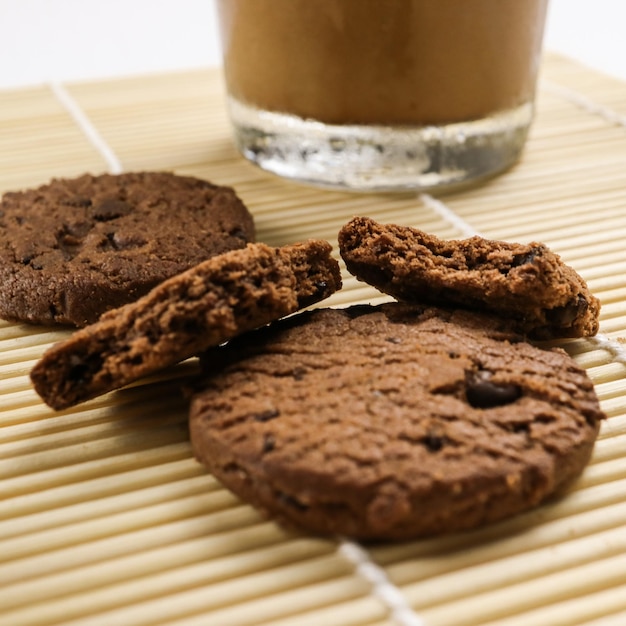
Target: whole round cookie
point(392, 422)
point(75, 248)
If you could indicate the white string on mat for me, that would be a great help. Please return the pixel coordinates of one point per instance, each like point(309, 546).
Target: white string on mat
point(382, 588)
point(617, 350)
point(444, 211)
point(583, 102)
point(86, 126)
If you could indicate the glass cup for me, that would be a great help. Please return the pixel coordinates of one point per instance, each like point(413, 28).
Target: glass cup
point(381, 94)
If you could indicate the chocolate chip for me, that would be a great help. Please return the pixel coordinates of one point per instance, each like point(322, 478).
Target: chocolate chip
point(81, 370)
point(321, 286)
point(527, 258)
point(78, 201)
point(545, 418)
point(269, 443)
point(291, 501)
point(298, 372)
point(70, 237)
point(109, 209)
point(266, 416)
point(565, 315)
point(433, 442)
point(483, 393)
point(69, 245)
point(127, 240)
point(238, 233)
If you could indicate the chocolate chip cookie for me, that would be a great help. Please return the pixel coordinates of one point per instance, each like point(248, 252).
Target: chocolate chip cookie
point(74, 248)
point(526, 283)
point(392, 422)
point(202, 307)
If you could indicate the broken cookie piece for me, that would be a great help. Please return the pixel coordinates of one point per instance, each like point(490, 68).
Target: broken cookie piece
point(525, 283)
point(218, 299)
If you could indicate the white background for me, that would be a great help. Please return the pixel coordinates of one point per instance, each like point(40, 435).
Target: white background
point(67, 40)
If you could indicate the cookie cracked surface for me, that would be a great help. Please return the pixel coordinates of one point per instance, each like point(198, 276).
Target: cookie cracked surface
point(392, 422)
point(208, 304)
point(75, 248)
point(526, 283)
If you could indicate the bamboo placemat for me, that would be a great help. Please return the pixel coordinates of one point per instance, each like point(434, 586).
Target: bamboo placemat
point(105, 518)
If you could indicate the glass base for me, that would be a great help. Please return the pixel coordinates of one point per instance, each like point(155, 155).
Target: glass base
point(380, 158)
